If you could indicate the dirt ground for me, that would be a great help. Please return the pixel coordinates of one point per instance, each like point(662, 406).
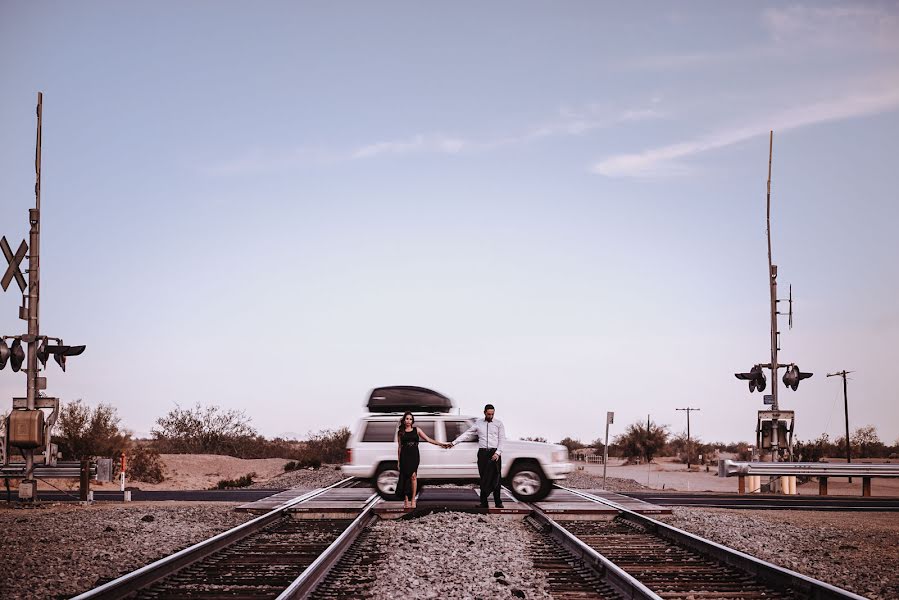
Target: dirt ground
point(193, 472)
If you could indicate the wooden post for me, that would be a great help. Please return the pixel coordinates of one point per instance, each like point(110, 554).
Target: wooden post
point(822, 486)
point(866, 486)
point(85, 479)
point(741, 484)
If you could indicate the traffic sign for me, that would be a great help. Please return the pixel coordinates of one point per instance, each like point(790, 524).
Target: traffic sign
point(769, 399)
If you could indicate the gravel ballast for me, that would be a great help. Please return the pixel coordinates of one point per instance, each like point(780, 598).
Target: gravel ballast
point(302, 478)
point(855, 551)
point(446, 555)
point(450, 555)
point(57, 551)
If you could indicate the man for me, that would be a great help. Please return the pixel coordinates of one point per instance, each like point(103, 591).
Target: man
point(490, 433)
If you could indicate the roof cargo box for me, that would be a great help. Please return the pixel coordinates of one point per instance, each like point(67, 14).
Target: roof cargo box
point(400, 398)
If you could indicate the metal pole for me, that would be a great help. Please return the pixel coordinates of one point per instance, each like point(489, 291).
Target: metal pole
point(34, 265)
point(772, 281)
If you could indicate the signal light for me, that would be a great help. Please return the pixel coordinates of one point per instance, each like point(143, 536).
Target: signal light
point(42, 353)
point(793, 376)
point(60, 353)
point(755, 377)
point(16, 355)
point(4, 353)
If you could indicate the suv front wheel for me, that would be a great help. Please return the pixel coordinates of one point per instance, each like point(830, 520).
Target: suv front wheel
point(527, 482)
point(387, 477)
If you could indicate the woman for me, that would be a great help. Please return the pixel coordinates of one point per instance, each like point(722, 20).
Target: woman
point(407, 457)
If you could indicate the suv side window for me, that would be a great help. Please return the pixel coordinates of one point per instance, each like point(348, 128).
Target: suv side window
point(385, 431)
point(427, 427)
point(379, 431)
point(456, 428)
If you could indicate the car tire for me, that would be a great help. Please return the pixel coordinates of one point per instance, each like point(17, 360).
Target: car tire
point(527, 482)
point(386, 479)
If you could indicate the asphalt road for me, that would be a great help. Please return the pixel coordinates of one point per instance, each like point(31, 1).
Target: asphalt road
point(755, 501)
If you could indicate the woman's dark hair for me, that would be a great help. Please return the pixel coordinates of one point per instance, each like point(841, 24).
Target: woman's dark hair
point(403, 421)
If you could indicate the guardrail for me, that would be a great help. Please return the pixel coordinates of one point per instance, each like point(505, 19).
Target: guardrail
point(731, 468)
point(62, 470)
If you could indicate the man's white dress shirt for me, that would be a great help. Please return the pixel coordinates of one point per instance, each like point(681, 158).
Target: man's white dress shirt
point(491, 434)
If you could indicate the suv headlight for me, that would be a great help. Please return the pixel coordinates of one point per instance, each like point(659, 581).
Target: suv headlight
point(560, 455)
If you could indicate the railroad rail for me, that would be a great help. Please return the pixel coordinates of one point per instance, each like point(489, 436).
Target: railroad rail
point(271, 556)
point(676, 564)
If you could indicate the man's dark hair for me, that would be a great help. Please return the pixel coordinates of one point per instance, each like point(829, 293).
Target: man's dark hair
point(489, 407)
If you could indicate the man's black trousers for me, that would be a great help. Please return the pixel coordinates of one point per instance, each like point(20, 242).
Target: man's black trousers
point(489, 470)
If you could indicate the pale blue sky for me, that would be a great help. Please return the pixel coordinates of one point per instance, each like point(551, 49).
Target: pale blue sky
point(557, 208)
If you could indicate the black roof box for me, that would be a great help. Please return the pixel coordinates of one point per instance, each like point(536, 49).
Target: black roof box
point(400, 398)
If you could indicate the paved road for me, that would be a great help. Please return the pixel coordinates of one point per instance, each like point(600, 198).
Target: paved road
point(849, 503)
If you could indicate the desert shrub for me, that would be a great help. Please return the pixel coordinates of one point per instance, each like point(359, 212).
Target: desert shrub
point(642, 441)
point(202, 430)
point(240, 482)
point(144, 464)
point(535, 438)
point(307, 463)
point(572, 444)
point(290, 466)
point(85, 432)
point(326, 446)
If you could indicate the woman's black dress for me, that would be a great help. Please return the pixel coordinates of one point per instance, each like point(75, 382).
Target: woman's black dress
point(409, 459)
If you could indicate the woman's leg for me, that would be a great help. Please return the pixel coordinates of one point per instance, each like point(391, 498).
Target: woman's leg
point(414, 487)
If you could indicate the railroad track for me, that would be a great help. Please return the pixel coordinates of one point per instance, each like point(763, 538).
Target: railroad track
point(672, 563)
point(271, 556)
point(625, 557)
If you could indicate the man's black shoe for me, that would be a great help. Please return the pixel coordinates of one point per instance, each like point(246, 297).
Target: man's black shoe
point(499, 505)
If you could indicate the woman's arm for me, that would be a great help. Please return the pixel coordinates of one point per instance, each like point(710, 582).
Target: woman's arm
point(424, 436)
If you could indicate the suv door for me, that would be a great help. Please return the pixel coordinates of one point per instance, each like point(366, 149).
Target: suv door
point(429, 466)
point(462, 459)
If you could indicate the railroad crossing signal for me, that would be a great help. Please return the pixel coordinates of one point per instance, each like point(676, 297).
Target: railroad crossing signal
point(793, 376)
point(14, 260)
point(755, 377)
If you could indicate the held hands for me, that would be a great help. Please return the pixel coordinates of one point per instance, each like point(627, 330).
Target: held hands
point(446, 445)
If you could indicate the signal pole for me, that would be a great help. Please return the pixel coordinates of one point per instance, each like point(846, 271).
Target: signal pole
point(34, 283)
point(688, 410)
point(843, 374)
point(27, 428)
point(772, 279)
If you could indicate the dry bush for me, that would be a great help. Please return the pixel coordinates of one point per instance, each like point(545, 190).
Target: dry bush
point(144, 464)
point(202, 430)
point(85, 432)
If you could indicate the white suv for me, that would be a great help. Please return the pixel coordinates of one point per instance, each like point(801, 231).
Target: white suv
point(529, 468)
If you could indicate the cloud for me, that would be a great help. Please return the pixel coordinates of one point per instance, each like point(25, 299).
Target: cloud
point(793, 31)
point(568, 122)
point(418, 143)
point(851, 25)
point(664, 161)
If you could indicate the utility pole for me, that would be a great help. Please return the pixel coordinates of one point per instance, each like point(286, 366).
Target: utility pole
point(843, 374)
point(689, 409)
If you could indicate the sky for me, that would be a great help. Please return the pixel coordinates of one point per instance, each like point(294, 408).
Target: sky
point(558, 208)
